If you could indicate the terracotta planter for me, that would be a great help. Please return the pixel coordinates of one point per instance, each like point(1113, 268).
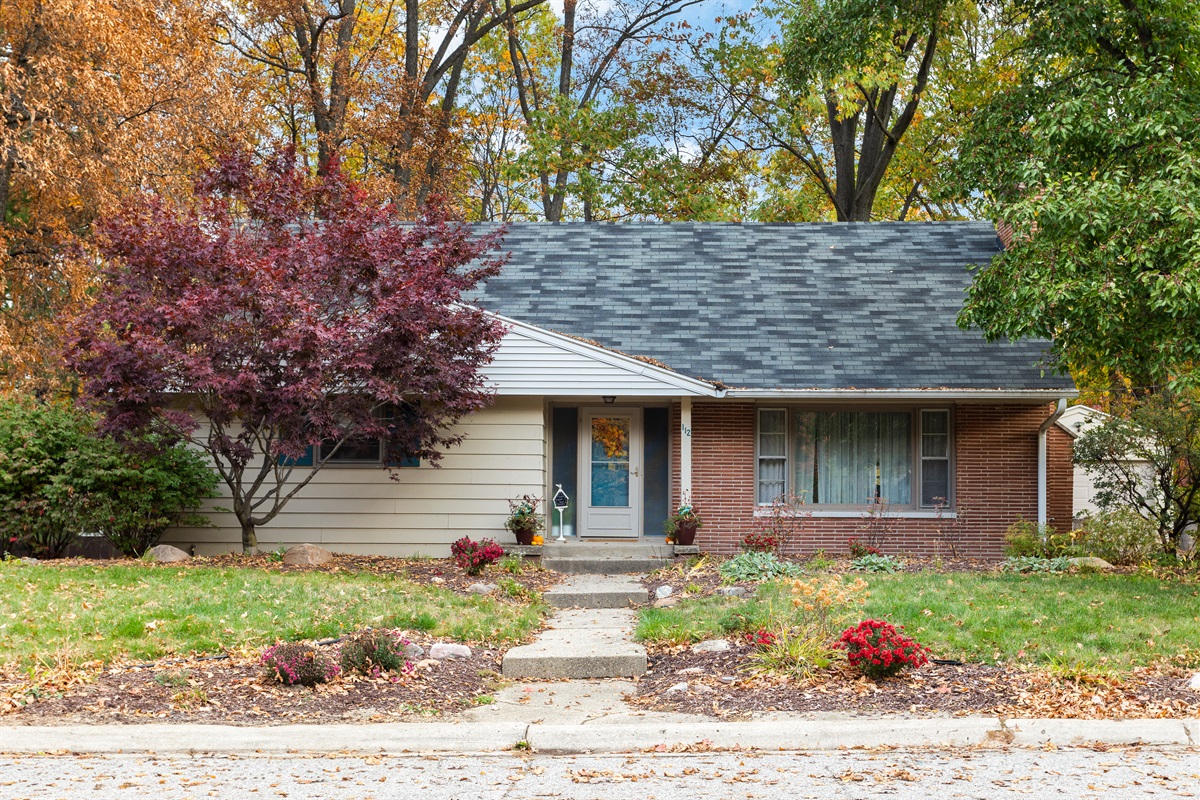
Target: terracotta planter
point(524, 535)
point(685, 533)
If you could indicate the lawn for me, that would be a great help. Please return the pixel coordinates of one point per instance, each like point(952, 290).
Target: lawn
point(1076, 623)
point(106, 613)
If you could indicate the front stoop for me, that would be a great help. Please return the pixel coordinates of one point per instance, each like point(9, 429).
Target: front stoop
point(599, 557)
point(581, 643)
point(597, 591)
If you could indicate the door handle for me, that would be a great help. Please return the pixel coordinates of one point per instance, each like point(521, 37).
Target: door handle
point(637, 473)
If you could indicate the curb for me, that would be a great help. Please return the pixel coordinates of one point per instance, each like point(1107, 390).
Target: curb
point(597, 737)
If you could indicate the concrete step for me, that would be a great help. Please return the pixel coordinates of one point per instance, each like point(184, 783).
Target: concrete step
point(596, 549)
point(597, 591)
point(577, 565)
point(591, 643)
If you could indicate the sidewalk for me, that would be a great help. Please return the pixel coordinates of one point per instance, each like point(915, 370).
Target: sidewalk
point(590, 717)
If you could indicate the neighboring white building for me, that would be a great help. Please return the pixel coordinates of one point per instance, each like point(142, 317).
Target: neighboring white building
point(1076, 421)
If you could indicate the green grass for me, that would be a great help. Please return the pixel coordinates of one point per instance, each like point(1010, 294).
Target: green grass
point(1100, 622)
point(134, 611)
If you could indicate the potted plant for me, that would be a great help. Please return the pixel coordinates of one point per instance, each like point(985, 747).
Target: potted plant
point(681, 526)
point(523, 518)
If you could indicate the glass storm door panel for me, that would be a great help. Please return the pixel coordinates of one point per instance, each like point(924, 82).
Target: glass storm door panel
point(610, 469)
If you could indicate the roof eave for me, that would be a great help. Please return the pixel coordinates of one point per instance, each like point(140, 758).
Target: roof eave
point(1007, 395)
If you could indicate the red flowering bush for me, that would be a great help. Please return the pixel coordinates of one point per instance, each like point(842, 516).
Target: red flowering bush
point(474, 556)
point(858, 549)
point(763, 541)
point(761, 638)
point(879, 650)
point(297, 663)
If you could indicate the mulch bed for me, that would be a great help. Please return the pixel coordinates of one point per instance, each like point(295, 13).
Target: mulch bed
point(237, 691)
point(935, 689)
point(437, 571)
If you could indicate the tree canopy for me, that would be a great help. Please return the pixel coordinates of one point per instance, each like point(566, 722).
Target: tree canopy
point(278, 312)
point(1093, 158)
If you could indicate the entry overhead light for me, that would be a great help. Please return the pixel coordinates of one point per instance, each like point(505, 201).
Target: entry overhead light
point(609, 399)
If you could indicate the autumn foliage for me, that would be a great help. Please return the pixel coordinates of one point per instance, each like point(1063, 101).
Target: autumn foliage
point(279, 312)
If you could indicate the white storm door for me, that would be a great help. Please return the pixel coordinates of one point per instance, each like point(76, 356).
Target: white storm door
point(610, 472)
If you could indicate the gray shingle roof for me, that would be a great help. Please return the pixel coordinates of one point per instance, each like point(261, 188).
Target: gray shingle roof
point(803, 306)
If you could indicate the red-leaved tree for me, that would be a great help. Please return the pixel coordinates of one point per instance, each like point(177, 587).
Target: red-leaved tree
point(275, 317)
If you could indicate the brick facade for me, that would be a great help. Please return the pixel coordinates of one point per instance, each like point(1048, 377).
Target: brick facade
point(995, 451)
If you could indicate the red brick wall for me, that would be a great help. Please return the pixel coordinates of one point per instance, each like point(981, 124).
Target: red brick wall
point(995, 468)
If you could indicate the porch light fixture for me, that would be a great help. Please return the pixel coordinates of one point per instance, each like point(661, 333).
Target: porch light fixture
point(609, 399)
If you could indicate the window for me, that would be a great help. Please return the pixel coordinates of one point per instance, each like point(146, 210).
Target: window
point(772, 454)
point(935, 458)
point(356, 450)
point(851, 458)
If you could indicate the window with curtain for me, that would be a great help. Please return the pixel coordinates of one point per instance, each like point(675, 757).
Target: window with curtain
point(853, 457)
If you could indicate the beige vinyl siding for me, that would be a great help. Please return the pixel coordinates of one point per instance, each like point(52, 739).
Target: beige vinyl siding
point(360, 510)
point(534, 362)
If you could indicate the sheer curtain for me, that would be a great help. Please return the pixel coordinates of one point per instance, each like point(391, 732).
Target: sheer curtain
point(852, 457)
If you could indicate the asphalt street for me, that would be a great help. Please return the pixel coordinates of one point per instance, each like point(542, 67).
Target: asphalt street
point(920, 774)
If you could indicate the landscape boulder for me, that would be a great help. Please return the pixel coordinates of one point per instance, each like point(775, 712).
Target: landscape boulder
point(166, 554)
point(442, 651)
point(711, 646)
point(1090, 562)
point(306, 555)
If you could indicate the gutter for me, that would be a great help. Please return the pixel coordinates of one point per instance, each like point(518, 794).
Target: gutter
point(1042, 437)
point(980, 395)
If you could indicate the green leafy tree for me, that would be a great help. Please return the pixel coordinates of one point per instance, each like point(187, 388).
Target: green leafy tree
point(1148, 460)
point(1093, 159)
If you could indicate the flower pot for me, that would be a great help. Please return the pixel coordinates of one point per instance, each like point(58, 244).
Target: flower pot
point(524, 535)
point(685, 533)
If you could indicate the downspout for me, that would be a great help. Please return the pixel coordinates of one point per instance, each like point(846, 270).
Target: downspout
point(1043, 431)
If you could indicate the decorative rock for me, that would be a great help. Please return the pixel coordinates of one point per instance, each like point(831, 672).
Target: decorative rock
point(428, 663)
point(307, 555)
point(481, 588)
point(691, 671)
point(441, 651)
point(701, 688)
point(732, 591)
point(166, 554)
point(666, 602)
point(711, 646)
point(412, 652)
point(1194, 683)
point(727, 679)
point(663, 592)
point(437, 580)
point(1090, 562)
point(29, 561)
point(679, 687)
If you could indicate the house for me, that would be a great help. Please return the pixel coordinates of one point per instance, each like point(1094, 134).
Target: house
point(729, 364)
point(1076, 421)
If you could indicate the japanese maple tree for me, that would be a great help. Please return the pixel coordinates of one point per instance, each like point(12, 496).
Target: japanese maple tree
point(273, 313)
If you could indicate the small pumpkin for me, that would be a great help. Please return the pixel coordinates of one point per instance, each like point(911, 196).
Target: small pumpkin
point(538, 540)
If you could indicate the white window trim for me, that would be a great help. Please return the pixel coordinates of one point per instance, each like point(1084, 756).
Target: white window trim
point(787, 449)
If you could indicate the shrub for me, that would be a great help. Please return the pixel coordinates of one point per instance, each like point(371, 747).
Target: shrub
point(760, 542)
point(778, 525)
point(1121, 537)
point(58, 477)
point(858, 549)
point(876, 563)
point(1022, 564)
point(756, 566)
point(878, 523)
point(294, 663)
point(819, 607)
point(513, 563)
point(1025, 538)
point(879, 650)
point(473, 557)
point(375, 651)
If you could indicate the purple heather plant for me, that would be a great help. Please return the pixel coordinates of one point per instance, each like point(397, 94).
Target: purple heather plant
point(293, 663)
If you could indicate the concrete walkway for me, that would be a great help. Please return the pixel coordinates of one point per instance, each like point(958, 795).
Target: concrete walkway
point(591, 637)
